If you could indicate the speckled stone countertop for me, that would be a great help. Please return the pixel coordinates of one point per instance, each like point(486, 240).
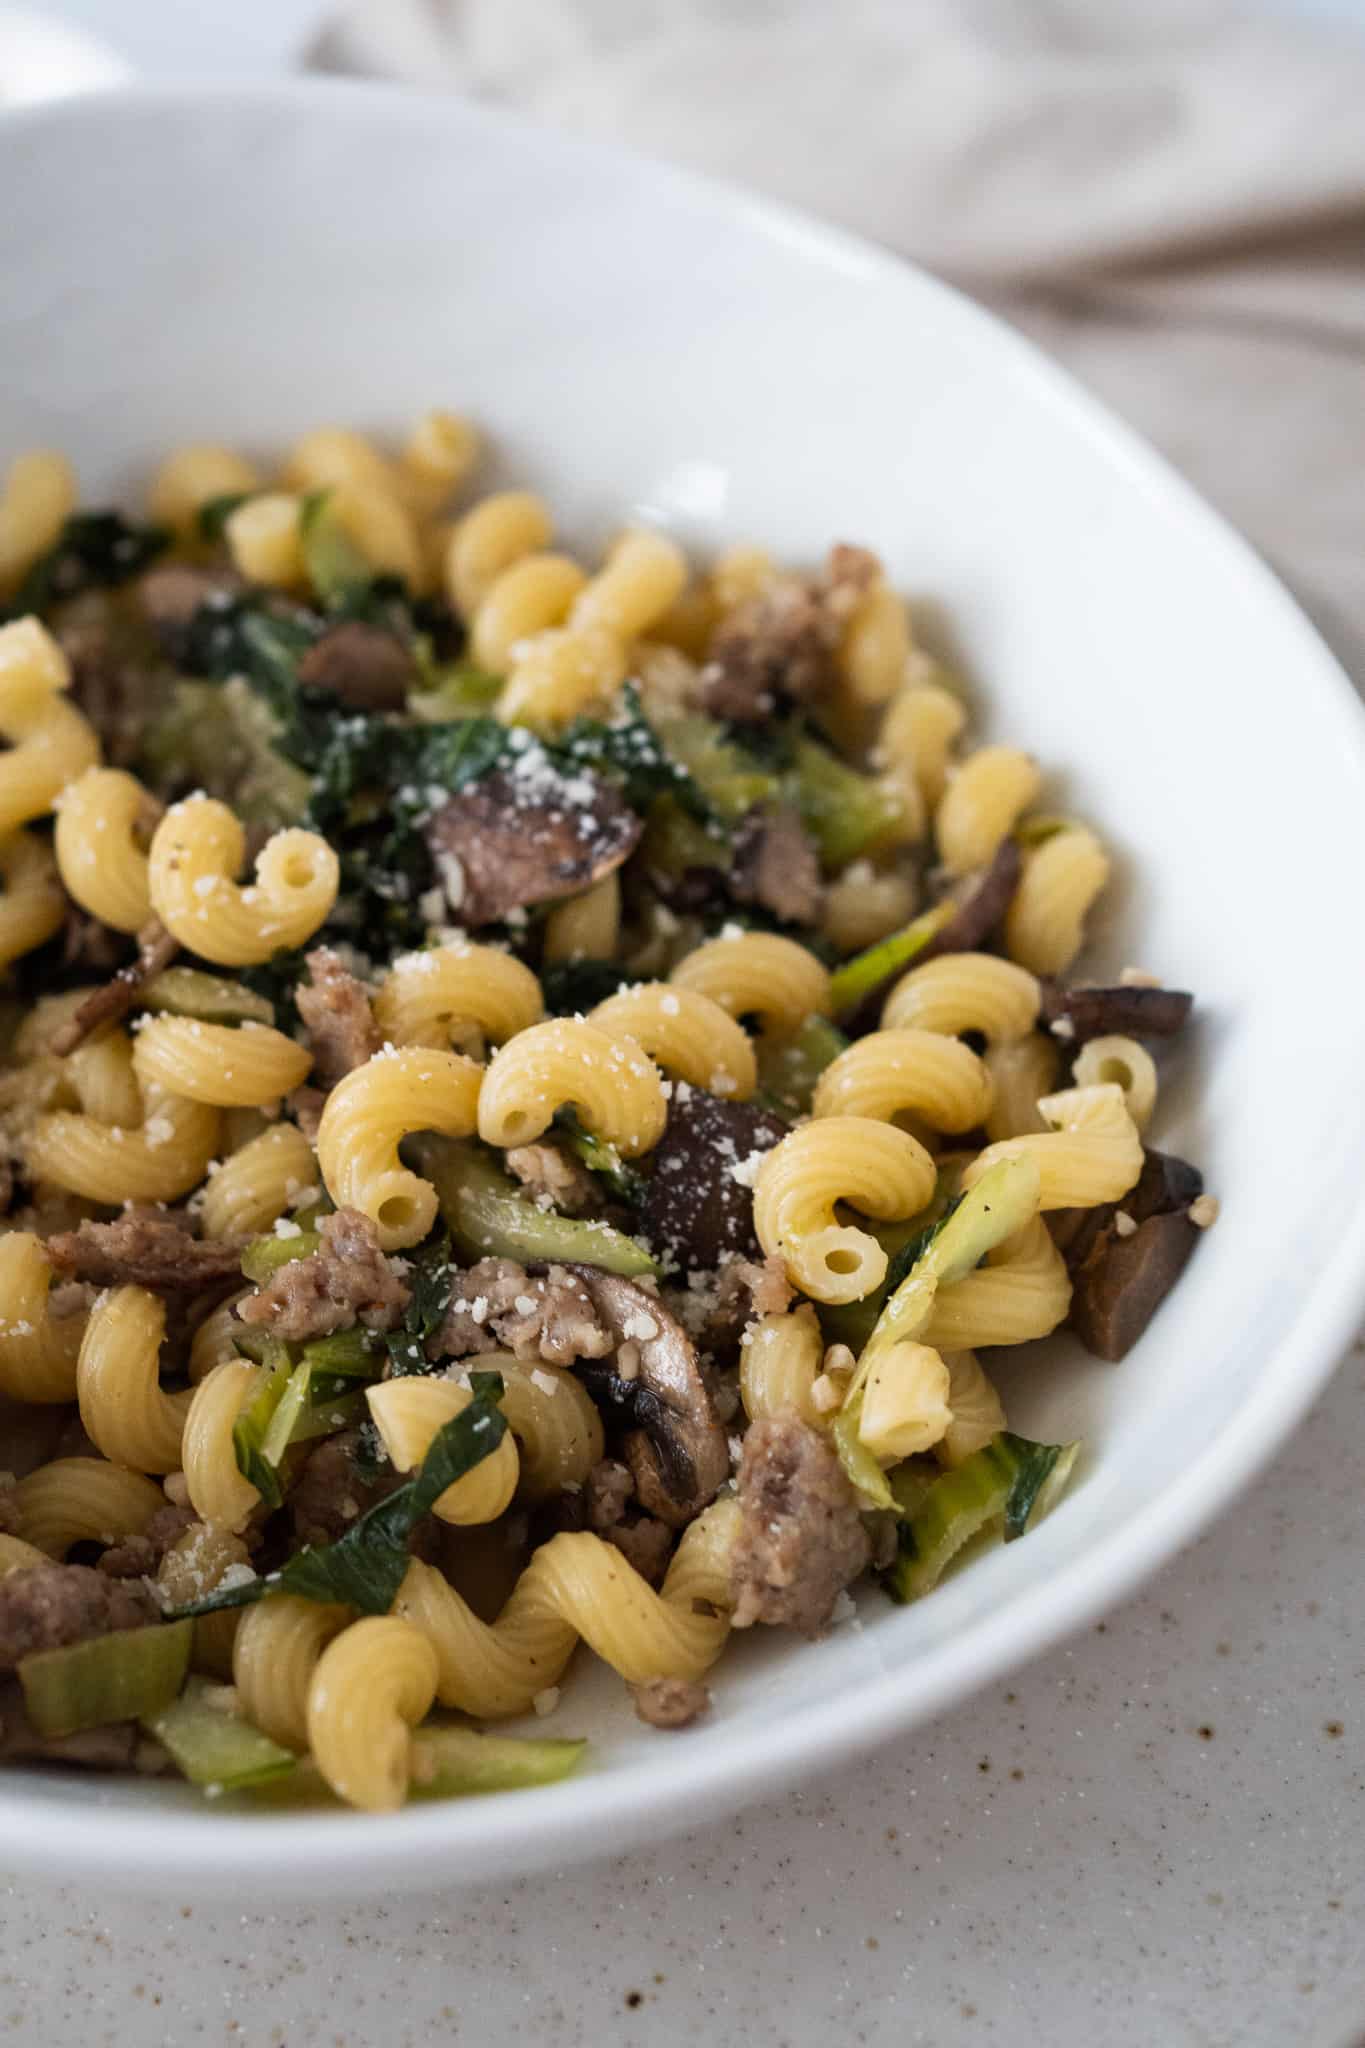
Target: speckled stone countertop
point(1154, 1838)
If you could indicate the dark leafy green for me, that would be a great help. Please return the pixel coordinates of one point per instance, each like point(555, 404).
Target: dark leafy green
point(365, 1567)
point(432, 1281)
point(573, 985)
point(628, 749)
point(94, 551)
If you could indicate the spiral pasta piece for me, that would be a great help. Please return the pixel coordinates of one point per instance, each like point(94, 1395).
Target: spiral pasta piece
point(191, 477)
point(257, 1183)
point(532, 595)
point(372, 1684)
point(1045, 923)
point(460, 995)
point(1090, 1152)
point(264, 536)
point(964, 992)
point(48, 741)
point(904, 1401)
point(158, 1161)
point(408, 1412)
point(436, 458)
point(1125, 1062)
point(225, 1065)
point(686, 1033)
point(874, 652)
point(1022, 1071)
point(196, 851)
point(916, 739)
point(494, 534)
point(555, 1422)
point(781, 1357)
point(274, 1657)
point(101, 1075)
point(102, 818)
point(758, 974)
point(1023, 1291)
point(565, 1063)
point(555, 675)
point(978, 1414)
point(586, 927)
point(38, 498)
point(641, 578)
point(32, 906)
point(16, 1555)
point(124, 1409)
point(865, 904)
point(579, 1585)
point(366, 1117)
point(895, 1073)
point(218, 1490)
point(38, 1351)
point(83, 1500)
point(982, 804)
point(213, 1343)
point(874, 1167)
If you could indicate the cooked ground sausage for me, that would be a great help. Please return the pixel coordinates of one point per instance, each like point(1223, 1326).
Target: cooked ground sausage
point(144, 1251)
point(337, 1016)
point(497, 1301)
point(801, 1537)
point(347, 1280)
point(775, 864)
point(47, 1606)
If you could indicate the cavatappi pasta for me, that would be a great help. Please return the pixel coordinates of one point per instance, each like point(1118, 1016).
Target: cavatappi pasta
point(529, 1080)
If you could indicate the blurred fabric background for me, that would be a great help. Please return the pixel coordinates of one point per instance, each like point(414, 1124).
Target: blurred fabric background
point(1170, 196)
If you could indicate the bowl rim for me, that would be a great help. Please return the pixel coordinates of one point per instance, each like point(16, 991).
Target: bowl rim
point(504, 1835)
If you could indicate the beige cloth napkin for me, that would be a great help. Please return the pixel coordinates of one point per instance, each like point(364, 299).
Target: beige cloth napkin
point(1170, 196)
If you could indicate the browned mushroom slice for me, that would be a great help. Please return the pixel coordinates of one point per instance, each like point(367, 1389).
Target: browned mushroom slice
point(981, 909)
point(1125, 1281)
point(1125, 1257)
point(171, 596)
point(528, 834)
point(105, 1005)
point(1165, 1185)
point(1077, 1014)
point(363, 666)
point(677, 1450)
point(699, 1204)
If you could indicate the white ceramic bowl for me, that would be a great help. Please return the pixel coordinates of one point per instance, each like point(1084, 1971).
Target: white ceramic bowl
point(242, 265)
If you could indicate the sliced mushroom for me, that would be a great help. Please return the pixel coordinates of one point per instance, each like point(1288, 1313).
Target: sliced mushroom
point(170, 598)
point(699, 1204)
point(155, 951)
point(981, 909)
point(1119, 1291)
point(1165, 1185)
point(528, 835)
point(677, 1450)
point(365, 667)
point(1127, 1256)
point(1077, 1014)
